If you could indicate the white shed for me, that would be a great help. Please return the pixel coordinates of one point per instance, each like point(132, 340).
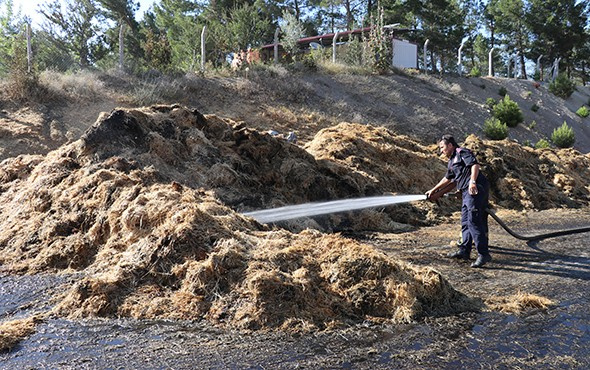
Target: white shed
point(405, 54)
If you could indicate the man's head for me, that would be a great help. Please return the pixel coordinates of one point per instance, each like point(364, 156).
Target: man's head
point(447, 145)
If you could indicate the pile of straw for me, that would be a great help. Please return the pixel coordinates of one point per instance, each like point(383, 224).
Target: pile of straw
point(145, 204)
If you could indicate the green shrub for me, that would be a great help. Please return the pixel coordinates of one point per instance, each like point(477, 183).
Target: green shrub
point(563, 136)
point(310, 62)
point(475, 72)
point(541, 144)
point(528, 143)
point(533, 125)
point(508, 112)
point(534, 107)
point(562, 86)
point(583, 112)
point(494, 129)
point(353, 52)
point(491, 102)
point(502, 91)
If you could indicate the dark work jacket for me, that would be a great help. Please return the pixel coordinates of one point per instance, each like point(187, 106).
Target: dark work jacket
point(459, 168)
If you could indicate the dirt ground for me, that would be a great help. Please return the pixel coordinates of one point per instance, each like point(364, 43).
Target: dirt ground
point(557, 337)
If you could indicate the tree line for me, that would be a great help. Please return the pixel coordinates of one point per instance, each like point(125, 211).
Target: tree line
point(86, 33)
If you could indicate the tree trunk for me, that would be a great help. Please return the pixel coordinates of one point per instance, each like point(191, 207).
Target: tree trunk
point(349, 18)
point(522, 66)
point(297, 10)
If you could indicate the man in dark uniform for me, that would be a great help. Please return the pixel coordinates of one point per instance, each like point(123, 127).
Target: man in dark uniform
point(464, 171)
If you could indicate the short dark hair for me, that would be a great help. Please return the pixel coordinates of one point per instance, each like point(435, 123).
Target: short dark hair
point(449, 139)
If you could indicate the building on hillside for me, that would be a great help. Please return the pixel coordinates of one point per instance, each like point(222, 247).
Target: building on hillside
point(405, 53)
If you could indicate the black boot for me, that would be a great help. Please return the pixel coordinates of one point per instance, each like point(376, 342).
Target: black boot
point(460, 255)
point(481, 260)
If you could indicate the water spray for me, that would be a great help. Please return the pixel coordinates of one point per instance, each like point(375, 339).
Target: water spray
point(322, 208)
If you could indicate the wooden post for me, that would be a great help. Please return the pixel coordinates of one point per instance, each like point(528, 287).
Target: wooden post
point(538, 68)
point(459, 59)
point(424, 57)
point(491, 63)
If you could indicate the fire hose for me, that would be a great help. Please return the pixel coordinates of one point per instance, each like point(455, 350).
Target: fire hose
point(447, 189)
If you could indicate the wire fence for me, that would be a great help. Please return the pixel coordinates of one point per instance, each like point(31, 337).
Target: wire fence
point(346, 47)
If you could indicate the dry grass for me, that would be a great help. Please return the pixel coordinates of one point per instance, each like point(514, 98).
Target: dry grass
point(81, 85)
point(275, 280)
point(328, 67)
point(518, 303)
point(12, 332)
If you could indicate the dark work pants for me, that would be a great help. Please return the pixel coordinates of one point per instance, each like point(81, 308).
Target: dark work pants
point(474, 220)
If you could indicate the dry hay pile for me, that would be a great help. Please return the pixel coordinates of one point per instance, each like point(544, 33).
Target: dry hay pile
point(139, 204)
point(379, 161)
point(391, 162)
point(270, 280)
point(518, 303)
point(12, 332)
point(522, 177)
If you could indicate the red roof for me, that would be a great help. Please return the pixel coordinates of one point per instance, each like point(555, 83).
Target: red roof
point(326, 37)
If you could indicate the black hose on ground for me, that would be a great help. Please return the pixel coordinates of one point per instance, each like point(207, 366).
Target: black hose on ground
point(539, 236)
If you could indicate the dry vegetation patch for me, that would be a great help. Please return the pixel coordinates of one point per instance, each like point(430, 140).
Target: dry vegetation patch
point(12, 332)
point(518, 303)
point(271, 280)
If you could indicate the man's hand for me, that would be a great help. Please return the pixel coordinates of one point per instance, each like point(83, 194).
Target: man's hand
point(473, 189)
point(428, 193)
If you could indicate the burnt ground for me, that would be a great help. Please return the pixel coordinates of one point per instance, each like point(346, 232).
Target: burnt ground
point(557, 268)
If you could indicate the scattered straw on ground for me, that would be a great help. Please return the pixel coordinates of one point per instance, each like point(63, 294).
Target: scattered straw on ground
point(518, 303)
point(12, 332)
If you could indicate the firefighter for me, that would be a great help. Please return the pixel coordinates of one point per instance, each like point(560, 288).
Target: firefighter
point(464, 171)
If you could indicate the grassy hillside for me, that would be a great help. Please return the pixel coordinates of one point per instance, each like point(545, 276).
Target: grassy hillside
point(62, 107)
